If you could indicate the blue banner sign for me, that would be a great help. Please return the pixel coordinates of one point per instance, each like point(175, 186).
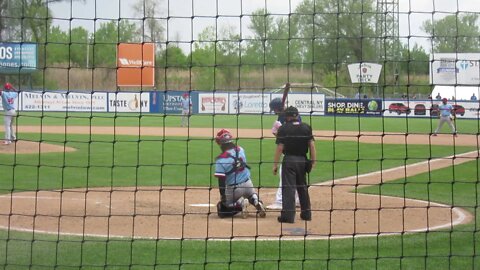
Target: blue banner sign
point(367, 107)
point(18, 57)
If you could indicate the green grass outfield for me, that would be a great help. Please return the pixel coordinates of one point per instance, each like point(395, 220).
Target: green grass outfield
point(113, 160)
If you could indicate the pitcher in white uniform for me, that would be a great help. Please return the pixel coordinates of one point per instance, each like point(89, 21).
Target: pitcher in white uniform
point(9, 102)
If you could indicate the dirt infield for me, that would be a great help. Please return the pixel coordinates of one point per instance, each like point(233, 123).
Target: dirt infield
point(186, 212)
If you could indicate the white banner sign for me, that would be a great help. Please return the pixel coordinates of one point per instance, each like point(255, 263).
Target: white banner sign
point(306, 103)
point(129, 102)
point(364, 72)
point(64, 101)
point(216, 103)
point(455, 68)
point(428, 108)
point(249, 103)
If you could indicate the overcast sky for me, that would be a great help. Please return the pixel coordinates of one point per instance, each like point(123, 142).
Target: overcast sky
point(187, 18)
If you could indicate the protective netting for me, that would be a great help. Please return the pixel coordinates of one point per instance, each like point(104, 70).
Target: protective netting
point(115, 158)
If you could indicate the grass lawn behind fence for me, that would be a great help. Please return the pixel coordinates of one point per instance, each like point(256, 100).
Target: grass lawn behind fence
point(378, 124)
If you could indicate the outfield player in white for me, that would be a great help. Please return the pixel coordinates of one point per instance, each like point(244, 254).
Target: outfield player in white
point(186, 109)
point(446, 114)
point(9, 102)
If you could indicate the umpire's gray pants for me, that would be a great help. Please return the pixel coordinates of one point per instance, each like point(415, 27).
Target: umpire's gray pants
point(294, 179)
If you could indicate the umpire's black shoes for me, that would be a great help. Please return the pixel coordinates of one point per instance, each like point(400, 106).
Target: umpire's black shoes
point(306, 217)
point(284, 220)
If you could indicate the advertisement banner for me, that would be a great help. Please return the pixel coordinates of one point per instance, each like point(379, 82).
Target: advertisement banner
point(307, 103)
point(170, 102)
point(455, 68)
point(64, 101)
point(366, 107)
point(18, 57)
point(417, 108)
point(129, 102)
point(467, 109)
point(429, 108)
point(249, 103)
point(136, 64)
point(216, 103)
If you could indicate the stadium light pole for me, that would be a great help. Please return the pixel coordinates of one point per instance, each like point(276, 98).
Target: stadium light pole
point(89, 39)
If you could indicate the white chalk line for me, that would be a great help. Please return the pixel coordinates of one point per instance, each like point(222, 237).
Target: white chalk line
point(38, 198)
point(462, 217)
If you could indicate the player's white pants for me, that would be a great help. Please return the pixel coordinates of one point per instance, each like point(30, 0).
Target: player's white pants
point(241, 191)
point(445, 119)
point(185, 118)
point(8, 124)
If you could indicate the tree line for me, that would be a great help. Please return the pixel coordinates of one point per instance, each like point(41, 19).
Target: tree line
point(320, 37)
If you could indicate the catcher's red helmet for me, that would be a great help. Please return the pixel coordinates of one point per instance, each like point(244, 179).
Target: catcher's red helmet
point(8, 86)
point(224, 136)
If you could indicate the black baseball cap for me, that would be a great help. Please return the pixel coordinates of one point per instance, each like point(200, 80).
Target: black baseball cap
point(291, 111)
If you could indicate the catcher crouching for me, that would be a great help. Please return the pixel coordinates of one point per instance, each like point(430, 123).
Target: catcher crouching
point(233, 173)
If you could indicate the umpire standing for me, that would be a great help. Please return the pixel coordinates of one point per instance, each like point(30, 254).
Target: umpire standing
point(294, 140)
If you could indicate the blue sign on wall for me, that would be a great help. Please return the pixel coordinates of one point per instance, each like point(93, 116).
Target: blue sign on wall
point(18, 57)
point(365, 107)
point(170, 102)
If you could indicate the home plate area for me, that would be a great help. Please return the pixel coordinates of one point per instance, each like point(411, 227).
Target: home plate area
point(190, 213)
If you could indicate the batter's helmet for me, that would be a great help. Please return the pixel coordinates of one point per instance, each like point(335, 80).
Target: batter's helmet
point(444, 99)
point(8, 86)
point(224, 136)
point(276, 104)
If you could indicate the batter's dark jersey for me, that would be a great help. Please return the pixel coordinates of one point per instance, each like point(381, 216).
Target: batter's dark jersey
point(295, 137)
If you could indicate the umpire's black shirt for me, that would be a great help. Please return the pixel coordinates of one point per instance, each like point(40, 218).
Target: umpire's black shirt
point(295, 137)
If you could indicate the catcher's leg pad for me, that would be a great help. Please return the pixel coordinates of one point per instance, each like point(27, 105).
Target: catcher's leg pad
point(223, 211)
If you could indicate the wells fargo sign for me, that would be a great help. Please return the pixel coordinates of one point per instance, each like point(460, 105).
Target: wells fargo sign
point(136, 64)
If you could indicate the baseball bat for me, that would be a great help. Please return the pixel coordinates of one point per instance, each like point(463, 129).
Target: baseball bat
point(285, 93)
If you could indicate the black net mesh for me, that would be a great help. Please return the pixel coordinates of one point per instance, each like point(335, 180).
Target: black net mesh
point(114, 155)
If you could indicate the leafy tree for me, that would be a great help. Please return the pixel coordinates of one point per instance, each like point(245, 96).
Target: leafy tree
point(415, 60)
point(174, 57)
point(215, 58)
point(57, 49)
point(335, 31)
point(29, 21)
point(152, 28)
point(79, 40)
point(25, 20)
point(203, 59)
point(274, 40)
point(454, 33)
point(106, 39)
point(228, 57)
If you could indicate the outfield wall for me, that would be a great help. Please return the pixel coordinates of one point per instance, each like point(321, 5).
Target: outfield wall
point(169, 102)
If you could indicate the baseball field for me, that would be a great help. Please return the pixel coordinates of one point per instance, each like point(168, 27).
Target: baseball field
point(131, 191)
